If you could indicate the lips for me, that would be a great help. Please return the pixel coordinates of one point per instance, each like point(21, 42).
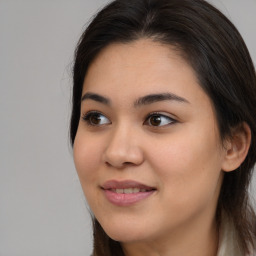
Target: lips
point(126, 184)
point(125, 193)
point(128, 190)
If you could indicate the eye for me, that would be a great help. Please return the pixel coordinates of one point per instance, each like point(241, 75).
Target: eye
point(95, 118)
point(157, 119)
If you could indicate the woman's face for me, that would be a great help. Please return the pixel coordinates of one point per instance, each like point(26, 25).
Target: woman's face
point(147, 150)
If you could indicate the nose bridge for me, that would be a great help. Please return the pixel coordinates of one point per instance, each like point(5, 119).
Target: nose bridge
point(123, 147)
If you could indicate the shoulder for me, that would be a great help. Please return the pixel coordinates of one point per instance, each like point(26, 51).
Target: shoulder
point(229, 241)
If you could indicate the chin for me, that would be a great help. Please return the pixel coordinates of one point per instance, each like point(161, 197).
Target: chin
point(124, 235)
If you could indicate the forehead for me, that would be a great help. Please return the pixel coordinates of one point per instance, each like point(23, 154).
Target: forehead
point(139, 68)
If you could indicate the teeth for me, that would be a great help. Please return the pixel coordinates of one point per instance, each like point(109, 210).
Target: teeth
point(136, 190)
point(128, 190)
point(119, 191)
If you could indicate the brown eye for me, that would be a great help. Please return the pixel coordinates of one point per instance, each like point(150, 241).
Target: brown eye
point(158, 120)
point(96, 119)
point(155, 120)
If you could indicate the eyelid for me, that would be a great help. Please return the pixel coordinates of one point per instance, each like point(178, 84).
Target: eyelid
point(86, 118)
point(165, 115)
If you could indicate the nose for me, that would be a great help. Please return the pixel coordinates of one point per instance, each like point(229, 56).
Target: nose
point(123, 148)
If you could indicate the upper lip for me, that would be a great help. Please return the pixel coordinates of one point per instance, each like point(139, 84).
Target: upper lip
point(115, 184)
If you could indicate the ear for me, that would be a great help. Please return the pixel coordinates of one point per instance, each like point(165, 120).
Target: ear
point(236, 147)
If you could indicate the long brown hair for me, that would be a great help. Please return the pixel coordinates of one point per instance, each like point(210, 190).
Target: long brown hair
point(219, 56)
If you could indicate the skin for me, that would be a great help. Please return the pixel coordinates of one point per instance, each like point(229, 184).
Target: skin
point(182, 159)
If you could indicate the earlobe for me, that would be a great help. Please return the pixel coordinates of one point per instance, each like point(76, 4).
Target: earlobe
point(237, 147)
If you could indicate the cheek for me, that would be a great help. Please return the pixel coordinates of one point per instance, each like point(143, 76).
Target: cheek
point(188, 166)
point(86, 158)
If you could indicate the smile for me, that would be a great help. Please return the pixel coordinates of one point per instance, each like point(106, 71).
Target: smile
point(128, 190)
point(126, 193)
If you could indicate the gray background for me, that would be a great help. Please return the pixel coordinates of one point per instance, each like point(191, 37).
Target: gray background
point(42, 208)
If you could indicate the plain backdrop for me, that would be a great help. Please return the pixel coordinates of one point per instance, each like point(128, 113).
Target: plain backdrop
point(42, 208)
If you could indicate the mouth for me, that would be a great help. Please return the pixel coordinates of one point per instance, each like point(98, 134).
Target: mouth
point(128, 190)
point(125, 193)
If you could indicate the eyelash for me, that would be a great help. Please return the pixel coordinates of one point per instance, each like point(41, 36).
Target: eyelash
point(159, 114)
point(87, 118)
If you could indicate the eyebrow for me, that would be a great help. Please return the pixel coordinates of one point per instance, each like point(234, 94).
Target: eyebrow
point(152, 98)
point(145, 100)
point(96, 97)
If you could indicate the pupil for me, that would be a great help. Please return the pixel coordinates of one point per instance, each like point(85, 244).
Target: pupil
point(155, 120)
point(95, 119)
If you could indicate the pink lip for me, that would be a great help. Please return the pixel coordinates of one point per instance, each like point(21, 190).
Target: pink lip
point(114, 184)
point(122, 199)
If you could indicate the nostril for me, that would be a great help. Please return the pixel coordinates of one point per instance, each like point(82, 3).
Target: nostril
point(108, 164)
point(128, 163)
point(121, 165)
point(122, 156)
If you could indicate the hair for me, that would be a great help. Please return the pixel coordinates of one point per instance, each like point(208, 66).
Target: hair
point(213, 47)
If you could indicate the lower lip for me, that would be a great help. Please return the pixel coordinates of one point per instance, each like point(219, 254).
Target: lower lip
point(126, 199)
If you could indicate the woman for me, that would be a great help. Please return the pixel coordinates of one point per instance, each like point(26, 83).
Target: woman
point(163, 129)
